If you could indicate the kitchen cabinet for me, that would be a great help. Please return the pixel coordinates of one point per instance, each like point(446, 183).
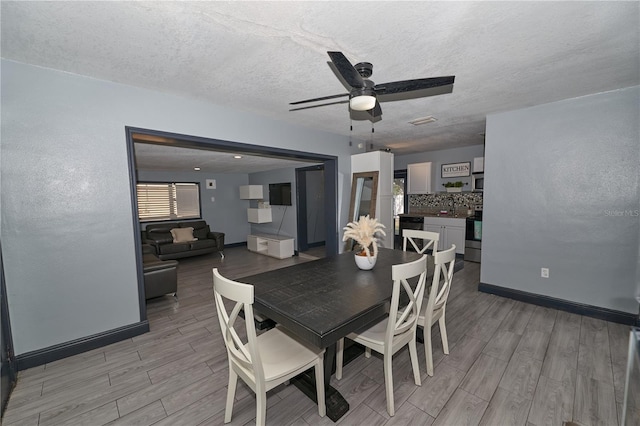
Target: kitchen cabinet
point(451, 231)
point(419, 178)
point(478, 165)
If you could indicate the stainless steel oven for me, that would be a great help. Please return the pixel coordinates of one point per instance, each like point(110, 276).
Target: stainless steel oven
point(473, 237)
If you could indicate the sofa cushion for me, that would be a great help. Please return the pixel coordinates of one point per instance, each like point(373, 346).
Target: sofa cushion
point(200, 228)
point(160, 235)
point(173, 248)
point(182, 235)
point(201, 244)
point(201, 233)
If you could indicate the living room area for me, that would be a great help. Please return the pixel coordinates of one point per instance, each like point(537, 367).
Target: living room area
point(91, 345)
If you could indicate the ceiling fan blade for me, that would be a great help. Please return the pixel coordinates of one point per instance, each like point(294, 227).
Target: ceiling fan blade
point(346, 70)
point(315, 106)
point(340, 78)
point(324, 98)
point(412, 85)
point(376, 111)
point(415, 94)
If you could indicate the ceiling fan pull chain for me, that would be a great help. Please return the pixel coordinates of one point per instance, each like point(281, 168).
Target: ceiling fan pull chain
point(371, 137)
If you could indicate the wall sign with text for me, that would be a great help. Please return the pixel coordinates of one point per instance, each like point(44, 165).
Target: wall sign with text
point(456, 170)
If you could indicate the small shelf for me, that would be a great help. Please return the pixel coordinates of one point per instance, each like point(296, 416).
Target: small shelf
point(251, 192)
point(259, 215)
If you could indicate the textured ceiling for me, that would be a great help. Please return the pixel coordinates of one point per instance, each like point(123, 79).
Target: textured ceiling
point(259, 56)
point(171, 158)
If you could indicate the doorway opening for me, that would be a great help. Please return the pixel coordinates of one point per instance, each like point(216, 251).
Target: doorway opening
point(310, 201)
point(400, 204)
point(328, 162)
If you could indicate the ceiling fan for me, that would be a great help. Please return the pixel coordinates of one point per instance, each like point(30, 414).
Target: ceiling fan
point(365, 96)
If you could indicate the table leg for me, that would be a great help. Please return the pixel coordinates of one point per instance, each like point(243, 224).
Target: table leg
point(336, 405)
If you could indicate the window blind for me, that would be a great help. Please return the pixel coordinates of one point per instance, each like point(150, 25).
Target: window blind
point(168, 201)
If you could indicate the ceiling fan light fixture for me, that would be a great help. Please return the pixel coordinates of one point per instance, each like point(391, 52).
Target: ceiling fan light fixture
point(362, 99)
point(362, 102)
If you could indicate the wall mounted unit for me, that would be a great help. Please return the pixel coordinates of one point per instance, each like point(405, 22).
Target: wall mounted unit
point(259, 215)
point(251, 192)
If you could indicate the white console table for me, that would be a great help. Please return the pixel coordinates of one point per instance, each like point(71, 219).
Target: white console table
point(271, 245)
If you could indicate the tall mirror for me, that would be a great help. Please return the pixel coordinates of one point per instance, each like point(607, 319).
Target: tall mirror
point(364, 192)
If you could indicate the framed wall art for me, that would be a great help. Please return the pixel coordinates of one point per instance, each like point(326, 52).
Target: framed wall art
point(456, 170)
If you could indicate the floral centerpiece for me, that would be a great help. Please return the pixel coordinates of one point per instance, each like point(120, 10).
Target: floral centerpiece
point(363, 232)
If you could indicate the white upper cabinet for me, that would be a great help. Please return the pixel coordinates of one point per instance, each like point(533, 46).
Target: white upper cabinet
point(251, 192)
point(419, 178)
point(478, 165)
point(259, 215)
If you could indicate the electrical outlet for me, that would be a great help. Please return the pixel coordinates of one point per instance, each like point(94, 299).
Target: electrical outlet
point(544, 272)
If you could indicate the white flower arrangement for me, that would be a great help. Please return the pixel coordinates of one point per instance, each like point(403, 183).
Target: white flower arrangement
point(363, 232)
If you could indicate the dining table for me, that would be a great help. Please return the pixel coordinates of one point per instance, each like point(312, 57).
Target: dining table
point(324, 300)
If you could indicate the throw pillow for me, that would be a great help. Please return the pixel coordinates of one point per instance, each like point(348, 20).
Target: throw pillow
point(182, 235)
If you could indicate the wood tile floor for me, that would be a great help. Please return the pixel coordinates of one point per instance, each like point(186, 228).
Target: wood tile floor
point(510, 363)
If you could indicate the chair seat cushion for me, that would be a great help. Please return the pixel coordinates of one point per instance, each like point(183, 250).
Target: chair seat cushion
point(283, 354)
point(374, 334)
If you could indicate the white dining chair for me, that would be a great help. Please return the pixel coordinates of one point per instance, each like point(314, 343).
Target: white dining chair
point(265, 361)
point(434, 309)
point(430, 239)
point(398, 329)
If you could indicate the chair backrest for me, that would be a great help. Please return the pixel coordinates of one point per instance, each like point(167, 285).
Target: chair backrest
point(242, 295)
point(406, 320)
point(430, 239)
point(444, 262)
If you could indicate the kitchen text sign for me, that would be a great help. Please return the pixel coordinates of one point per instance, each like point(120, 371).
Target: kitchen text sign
point(456, 170)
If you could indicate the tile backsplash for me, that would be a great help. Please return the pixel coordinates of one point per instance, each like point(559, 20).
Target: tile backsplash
point(433, 203)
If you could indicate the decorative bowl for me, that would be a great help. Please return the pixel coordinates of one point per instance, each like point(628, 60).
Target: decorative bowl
point(364, 262)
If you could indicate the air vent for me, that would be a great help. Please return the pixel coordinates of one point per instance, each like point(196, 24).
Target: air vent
point(423, 120)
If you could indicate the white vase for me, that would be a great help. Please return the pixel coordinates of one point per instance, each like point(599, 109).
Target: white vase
point(364, 262)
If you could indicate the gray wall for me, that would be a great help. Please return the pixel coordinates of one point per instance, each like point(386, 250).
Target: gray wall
point(67, 228)
point(283, 217)
point(227, 213)
point(562, 193)
point(315, 206)
point(438, 158)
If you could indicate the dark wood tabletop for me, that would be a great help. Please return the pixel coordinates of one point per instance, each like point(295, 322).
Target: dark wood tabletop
point(326, 299)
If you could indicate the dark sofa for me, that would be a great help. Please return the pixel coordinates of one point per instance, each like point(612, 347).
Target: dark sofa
point(159, 236)
point(160, 276)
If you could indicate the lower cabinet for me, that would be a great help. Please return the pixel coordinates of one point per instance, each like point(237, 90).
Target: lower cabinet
point(271, 245)
point(451, 231)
